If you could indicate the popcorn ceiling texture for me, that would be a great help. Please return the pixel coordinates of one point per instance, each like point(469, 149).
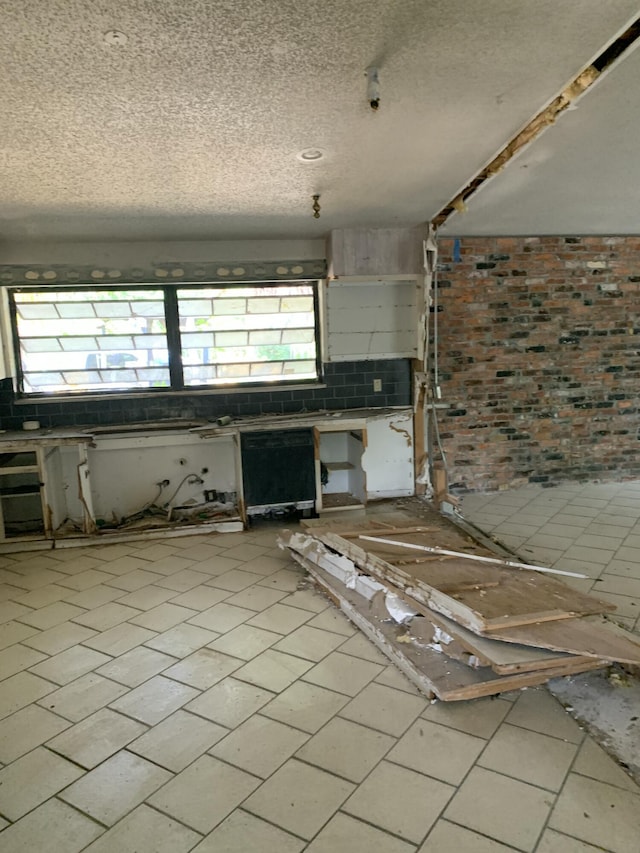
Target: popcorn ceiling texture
point(539, 359)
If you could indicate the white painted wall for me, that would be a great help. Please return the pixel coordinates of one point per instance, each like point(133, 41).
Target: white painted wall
point(124, 469)
point(368, 321)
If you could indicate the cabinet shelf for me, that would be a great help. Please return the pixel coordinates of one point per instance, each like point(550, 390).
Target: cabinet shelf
point(338, 466)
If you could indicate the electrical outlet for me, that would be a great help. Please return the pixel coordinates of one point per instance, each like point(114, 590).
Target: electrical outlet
point(377, 385)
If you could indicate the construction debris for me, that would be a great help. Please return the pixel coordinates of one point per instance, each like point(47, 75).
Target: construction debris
point(459, 627)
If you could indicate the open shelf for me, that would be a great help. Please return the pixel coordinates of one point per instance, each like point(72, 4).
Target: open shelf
point(338, 466)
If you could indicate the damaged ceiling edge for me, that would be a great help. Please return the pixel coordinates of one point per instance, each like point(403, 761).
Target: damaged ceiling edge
point(615, 51)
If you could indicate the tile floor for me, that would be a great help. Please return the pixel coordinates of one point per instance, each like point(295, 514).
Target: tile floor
point(591, 528)
point(193, 695)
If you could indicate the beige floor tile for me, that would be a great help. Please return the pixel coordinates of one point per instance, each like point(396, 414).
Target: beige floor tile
point(119, 560)
point(107, 616)
point(343, 673)
point(221, 617)
point(502, 808)
point(201, 597)
point(82, 697)
point(53, 826)
point(529, 756)
point(556, 842)
point(447, 837)
point(158, 551)
point(391, 711)
point(32, 779)
point(299, 798)
point(182, 581)
point(57, 639)
point(34, 579)
point(94, 597)
point(205, 793)
point(236, 580)
point(119, 639)
point(40, 597)
point(182, 640)
point(265, 565)
point(146, 598)
point(154, 700)
point(392, 677)
point(136, 666)
point(26, 729)
point(305, 706)
point(21, 690)
point(134, 580)
point(218, 565)
point(306, 599)
point(11, 610)
point(230, 702)
point(70, 664)
point(162, 617)
point(400, 801)
point(245, 642)
point(361, 647)
point(115, 787)
point(171, 567)
point(273, 670)
point(52, 615)
point(310, 643)
point(344, 833)
point(85, 580)
point(594, 762)
point(617, 585)
point(286, 580)
point(536, 709)
point(281, 618)
point(74, 563)
point(256, 598)
point(598, 814)
point(200, 552)
point(244, 552)
point(259, 746)
point(242, 832)
point(177, 741)
point(346, 749)
point(332, 620)
point(203, 668)
point(148, 830)
point(437, 751)
point(15, 632)
point(97, 737)
point(17, 658)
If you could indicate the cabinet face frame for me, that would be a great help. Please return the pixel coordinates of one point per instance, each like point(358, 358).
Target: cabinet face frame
point(37, 468)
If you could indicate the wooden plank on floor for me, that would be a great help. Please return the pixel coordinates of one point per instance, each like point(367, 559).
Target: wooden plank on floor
point(434, 673)
point(521, 597)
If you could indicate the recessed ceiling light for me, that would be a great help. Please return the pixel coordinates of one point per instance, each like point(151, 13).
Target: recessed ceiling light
point(115, 37)
point(311, 155)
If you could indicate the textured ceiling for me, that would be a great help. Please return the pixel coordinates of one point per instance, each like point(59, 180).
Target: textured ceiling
point(190, 129)
point(580, 177)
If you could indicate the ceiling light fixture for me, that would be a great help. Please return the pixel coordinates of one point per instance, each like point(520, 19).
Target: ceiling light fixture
point(310, 155)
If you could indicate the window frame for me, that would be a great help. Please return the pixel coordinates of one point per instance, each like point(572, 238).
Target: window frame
point(173, 340)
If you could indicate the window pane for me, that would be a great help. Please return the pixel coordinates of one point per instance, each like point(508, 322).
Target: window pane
point(91, 340)
point(251, 333)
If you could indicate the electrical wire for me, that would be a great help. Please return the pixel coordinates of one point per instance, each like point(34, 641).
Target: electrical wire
point(196, 479)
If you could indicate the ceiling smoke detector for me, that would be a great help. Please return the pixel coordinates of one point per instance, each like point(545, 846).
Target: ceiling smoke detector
point(310, 155)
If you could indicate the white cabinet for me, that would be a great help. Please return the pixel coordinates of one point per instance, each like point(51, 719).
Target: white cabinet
point(340, 480)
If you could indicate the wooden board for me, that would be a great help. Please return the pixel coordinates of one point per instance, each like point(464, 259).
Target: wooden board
point(503, 658)
point(434, 673)
point(590, 635)
point(520, 597)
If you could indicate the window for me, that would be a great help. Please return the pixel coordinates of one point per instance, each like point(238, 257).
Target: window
point(98, 339)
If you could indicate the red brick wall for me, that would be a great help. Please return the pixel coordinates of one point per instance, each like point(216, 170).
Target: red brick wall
point(539, 359)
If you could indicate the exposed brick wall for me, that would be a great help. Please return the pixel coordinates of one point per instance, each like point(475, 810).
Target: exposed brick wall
point(539, 359)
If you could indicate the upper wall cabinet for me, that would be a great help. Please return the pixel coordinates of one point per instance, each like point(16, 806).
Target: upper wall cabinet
point(377, 253)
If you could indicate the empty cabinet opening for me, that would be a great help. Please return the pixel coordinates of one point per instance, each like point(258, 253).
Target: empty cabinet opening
point(341, 475)
point(20, 497)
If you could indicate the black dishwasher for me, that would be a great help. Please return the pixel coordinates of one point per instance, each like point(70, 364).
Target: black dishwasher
point(278, 470)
